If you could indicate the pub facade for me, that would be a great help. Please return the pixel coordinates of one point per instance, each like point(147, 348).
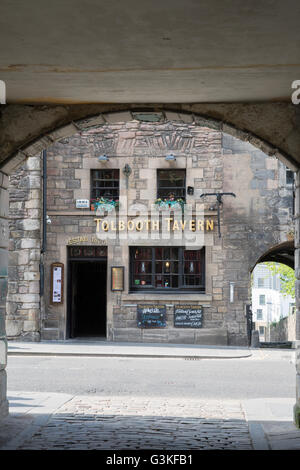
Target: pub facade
point(142, 232)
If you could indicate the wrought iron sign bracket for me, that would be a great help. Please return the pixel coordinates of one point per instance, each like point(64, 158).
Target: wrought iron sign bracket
point(219, 203)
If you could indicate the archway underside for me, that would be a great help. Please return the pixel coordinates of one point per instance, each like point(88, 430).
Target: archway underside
point(283, 253)
point(271, 127)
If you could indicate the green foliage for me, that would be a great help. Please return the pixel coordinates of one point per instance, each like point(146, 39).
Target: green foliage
point(287, 277)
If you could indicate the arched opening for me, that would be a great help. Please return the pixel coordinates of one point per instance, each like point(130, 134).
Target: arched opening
point(239, 290)
point(273, 298)
point(273, 293)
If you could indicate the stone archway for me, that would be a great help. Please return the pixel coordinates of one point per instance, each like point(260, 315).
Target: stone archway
point(283, 253)
point(26, 130)
point(271, 127)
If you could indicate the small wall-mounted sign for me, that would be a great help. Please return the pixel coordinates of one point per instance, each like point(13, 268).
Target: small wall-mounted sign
point(57, 282)
point(188, 316)
point(151, 316)
point(117, 278)
point(82, 204)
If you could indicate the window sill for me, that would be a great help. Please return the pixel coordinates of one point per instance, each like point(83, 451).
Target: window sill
point(199, 297)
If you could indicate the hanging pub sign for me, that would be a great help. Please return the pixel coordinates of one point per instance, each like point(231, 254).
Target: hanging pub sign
point(151, 316)
point(188, 316)
point(117, 278)
point(57, 281)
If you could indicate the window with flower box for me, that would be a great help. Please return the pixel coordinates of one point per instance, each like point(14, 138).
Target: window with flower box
point(171, 184)
point(105, 184)
point(167, 269)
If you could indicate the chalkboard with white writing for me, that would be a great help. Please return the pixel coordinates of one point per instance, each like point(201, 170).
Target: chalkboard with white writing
point(151, 316)
point(188, 316)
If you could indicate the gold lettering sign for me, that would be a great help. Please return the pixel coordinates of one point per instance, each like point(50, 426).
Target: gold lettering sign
point(85, 239)
point(154, 225)
point(117, 278)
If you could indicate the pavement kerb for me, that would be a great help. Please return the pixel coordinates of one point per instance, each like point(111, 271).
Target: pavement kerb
point(152, 356)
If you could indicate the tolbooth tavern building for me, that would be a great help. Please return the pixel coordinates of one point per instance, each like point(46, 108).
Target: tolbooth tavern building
point(120, 233)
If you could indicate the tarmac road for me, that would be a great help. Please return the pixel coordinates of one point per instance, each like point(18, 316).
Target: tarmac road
point(265, 374)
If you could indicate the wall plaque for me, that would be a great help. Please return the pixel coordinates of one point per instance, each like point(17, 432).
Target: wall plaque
point(117, 278)
point(82, 203)
point(57, 282)
point(151, 316)
point(188, 316)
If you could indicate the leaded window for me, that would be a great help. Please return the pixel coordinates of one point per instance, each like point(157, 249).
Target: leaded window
point(105, 183)
point(167, 268)
point(171, 184)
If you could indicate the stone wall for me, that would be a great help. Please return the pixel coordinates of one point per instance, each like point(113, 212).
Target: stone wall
point(3, 289)
point(23, 299)
point(284, 330)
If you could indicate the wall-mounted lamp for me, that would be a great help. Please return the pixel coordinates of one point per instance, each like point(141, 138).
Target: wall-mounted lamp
point(103, 158)
point(127, 172)
point(170, 158)
point(48, 220)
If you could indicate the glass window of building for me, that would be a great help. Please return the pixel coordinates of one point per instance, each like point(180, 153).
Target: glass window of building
point(289, 174)
point(259, 314)
point(171, 183)
point(105, 183)
point(260, 282)
point(262, 300)
point(261, 330)
point(167, 268)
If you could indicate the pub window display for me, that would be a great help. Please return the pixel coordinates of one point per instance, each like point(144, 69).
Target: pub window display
point(165, 268)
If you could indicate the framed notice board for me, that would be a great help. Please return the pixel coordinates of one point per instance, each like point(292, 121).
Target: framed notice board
point(57, 284)
point(188, 316)
point(151, 316)
point(117, 278)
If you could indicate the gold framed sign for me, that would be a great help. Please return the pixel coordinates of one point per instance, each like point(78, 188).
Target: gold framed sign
point(57, 283)
point(117, 278)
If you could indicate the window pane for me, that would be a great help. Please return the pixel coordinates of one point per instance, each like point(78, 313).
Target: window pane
point(262, 300)
point(192, 280)
point(143, 253)
point(260, 282)
point(105, 183)
point(171, 183)
point(142, 280)
point(142, 267)
point(158, 267)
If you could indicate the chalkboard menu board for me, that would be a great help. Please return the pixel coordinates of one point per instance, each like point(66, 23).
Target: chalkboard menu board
point(188, 316)
point(151, 316)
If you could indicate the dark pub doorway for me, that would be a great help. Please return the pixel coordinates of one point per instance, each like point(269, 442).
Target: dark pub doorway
point(87, 276)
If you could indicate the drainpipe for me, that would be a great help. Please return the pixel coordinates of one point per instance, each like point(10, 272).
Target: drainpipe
point(44, 240)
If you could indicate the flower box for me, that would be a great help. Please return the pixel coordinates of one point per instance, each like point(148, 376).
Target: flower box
point(170, 204)
point(104, 203)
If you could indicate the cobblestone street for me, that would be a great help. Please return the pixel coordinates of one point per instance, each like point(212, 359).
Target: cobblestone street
point(136, 423)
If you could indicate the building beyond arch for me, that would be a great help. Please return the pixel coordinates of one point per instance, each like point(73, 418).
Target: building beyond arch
point(212, 161)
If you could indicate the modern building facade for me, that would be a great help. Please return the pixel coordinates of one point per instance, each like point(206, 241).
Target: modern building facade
point(269, 305)
point(119, 236)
